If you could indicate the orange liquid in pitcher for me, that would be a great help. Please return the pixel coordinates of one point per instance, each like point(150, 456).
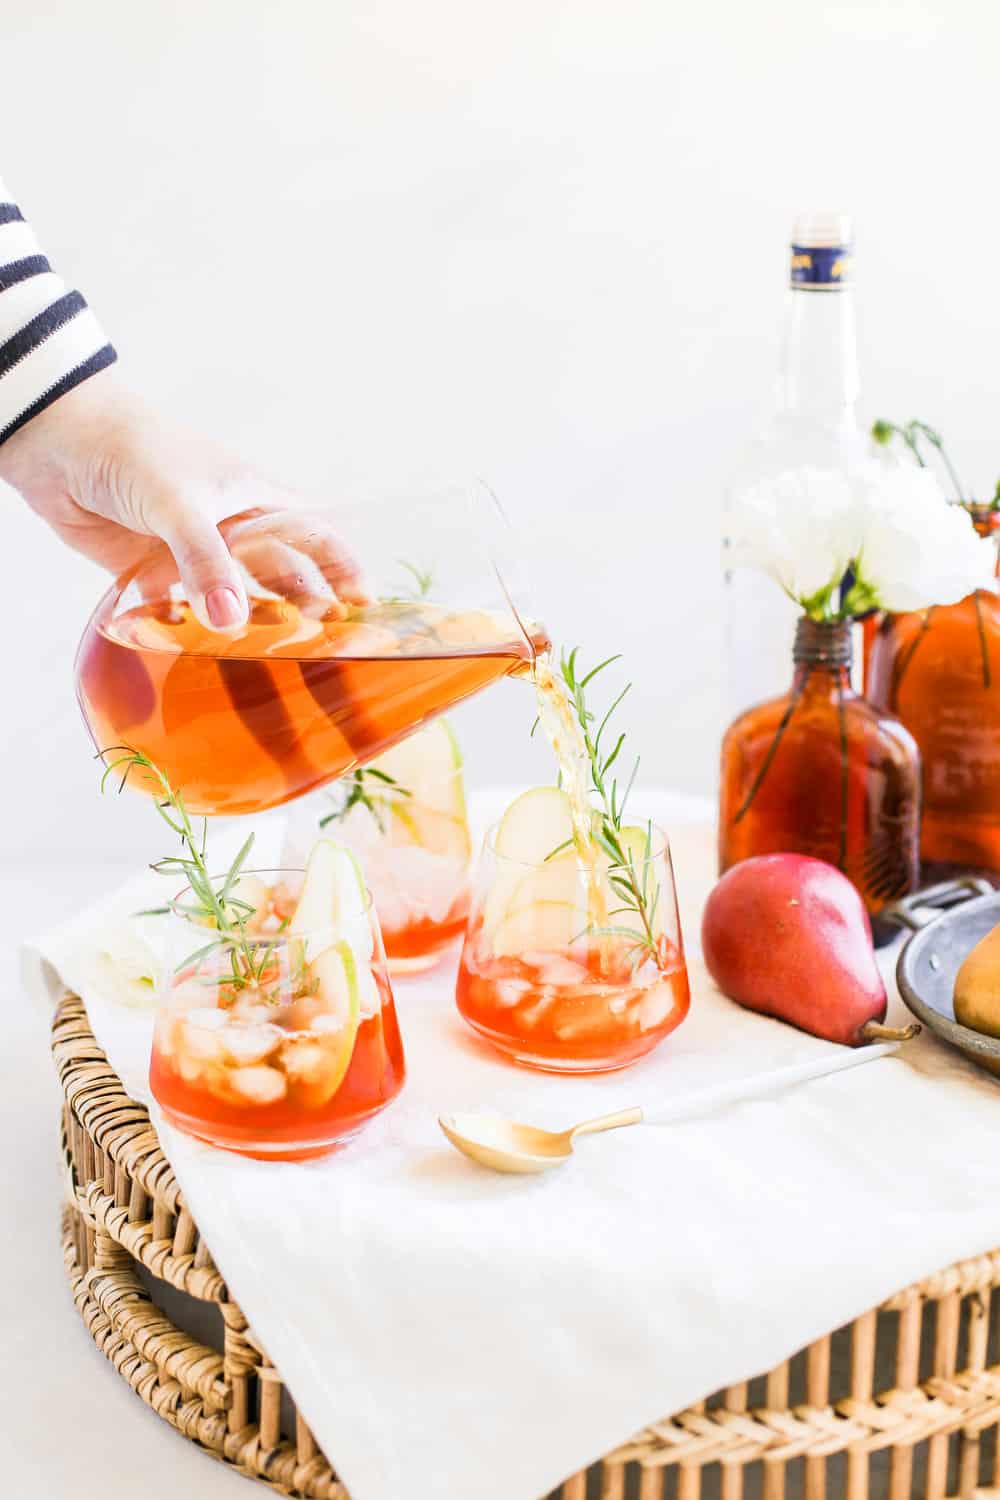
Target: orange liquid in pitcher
point(245, 722)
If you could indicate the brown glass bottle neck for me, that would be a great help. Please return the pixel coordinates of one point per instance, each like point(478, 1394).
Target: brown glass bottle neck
point(822, 654)
point(985, 519)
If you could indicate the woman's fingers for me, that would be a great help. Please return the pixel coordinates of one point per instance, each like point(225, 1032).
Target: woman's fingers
point(211, 579)
point(285, 570)
point(314, 537)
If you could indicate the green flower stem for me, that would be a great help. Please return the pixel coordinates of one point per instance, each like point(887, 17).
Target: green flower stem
point(786, 719)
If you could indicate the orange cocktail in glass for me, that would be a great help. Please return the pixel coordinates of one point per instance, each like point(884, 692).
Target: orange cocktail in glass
point(276, 1044)
point(555, 989)
point(404, 816)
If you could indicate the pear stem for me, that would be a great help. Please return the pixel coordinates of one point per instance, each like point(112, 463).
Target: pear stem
point(875, 1031)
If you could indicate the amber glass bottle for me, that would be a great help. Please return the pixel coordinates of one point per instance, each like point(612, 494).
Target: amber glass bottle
point(821, 771)
point(939, 672)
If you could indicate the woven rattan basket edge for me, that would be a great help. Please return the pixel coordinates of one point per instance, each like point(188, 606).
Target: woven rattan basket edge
point(124, 1207)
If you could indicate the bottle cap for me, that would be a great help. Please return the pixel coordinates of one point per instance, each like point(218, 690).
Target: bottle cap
point(821, 252)
point(827, 228)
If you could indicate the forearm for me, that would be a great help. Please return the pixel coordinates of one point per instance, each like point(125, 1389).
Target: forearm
point(50, 341)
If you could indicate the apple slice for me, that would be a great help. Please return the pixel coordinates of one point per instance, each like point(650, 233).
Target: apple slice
point(560, 880)
point(333, 902)
point(316, 1066)
point(535, 824)
point(430, 810)
point(542, 927)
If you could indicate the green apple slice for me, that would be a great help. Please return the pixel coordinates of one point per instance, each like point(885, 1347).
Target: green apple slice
point(335, 972)
point(439, 833)
point(542, 927)
point(333, 902)
point(429, 809)
point(535, 824)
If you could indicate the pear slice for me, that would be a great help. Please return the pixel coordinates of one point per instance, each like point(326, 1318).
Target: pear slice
point(316, 1066)
point(429, 809)
point(535, 824)
point(541, 927)
point(333, 902)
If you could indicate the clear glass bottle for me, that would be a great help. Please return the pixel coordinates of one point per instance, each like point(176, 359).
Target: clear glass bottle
point(821, 771)
point(814, 424)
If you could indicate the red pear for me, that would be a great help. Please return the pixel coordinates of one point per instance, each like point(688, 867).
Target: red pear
point(789, 936)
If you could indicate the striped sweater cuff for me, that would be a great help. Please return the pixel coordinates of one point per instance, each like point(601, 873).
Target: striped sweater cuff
point(50, 341)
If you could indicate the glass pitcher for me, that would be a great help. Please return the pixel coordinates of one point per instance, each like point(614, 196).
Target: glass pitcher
point(312, 686)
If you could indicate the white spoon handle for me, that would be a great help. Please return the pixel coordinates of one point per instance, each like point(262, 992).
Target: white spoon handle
point(707, 1101)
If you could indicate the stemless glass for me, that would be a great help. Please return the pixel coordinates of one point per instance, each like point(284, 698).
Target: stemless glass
point(539, 982)
point(323, 677)
point(289, 1059)
point(412, 841)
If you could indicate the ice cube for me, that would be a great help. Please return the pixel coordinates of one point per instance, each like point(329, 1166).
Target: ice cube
point(532, 1015)
point(314, 1068)
point(586, 1014)
point(556, 969)
point(191, 1068)
point(300, 1015)
point(208, 1017)
point(410, 884)
point(655, 1006)
point(326, 1023)
point(201, 1038)
point(509, 992)
point(258, 1085)
point(250, 1044)
point(305, 1061)
point(250, 1009)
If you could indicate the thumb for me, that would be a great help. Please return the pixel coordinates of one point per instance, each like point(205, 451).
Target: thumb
point(210, 577)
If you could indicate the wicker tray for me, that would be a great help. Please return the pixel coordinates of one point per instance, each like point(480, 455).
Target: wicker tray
point(903, 1402)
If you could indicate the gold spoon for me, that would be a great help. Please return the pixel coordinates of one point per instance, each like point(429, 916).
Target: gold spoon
point(507, 1146)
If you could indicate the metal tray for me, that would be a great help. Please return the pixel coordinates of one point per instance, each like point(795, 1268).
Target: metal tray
point(947, 921)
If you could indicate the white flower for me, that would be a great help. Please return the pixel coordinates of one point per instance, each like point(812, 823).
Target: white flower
point(129, 969)
point(915, 549)
point(889, 523)
point(801, 527)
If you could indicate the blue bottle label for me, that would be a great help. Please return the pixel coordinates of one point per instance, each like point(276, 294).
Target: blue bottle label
point(823, 268)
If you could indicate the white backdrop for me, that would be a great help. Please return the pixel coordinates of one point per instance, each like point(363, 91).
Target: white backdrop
point(542, 241)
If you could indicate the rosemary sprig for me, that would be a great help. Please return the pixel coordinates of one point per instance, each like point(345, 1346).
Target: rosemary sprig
point(423, 579)
point(212, 900)
point(631, 885)
point(375, 798)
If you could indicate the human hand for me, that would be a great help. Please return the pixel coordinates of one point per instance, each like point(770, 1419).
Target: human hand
point(107, 474)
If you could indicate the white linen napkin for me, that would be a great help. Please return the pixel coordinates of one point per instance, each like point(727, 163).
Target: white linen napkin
point(449, 1332)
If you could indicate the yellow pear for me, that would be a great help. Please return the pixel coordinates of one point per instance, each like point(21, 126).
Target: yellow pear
point(977, 990)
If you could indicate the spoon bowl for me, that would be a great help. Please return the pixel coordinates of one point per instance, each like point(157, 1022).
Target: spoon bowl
point(508, 1146)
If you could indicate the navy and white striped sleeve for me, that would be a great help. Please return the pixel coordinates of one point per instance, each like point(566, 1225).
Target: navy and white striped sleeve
point(50, 341)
